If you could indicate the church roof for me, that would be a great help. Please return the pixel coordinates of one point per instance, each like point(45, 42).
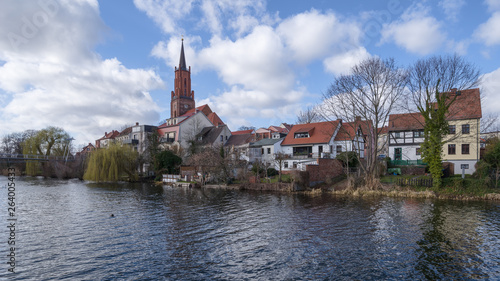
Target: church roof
point(215, 119)
point(182, 60)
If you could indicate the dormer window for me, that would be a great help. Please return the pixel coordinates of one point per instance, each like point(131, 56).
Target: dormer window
point(301, 135)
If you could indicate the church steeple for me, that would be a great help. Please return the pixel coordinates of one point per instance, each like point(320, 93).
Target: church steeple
point(182, 60)
point(182, 96)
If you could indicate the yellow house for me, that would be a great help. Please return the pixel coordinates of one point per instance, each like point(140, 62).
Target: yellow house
point(462, 146)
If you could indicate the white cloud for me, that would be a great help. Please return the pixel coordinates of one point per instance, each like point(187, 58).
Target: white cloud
point(489, 32)
point(342, 63)
point(452, 8)
point(416, 31)
point(165, 12)
point(169, 51)
point(493, 5)
point(54, 78)
point(314, 35)
point(214, 15)
point(257, 61)
point(256, 69)
point(491, 92)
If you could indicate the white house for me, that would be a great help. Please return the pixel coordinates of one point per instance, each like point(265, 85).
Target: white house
point(307, 142)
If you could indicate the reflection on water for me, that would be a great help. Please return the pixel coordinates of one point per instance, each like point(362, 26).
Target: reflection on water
point(66, 231)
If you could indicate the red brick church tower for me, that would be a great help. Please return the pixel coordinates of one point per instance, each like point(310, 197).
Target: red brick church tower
point(182, 96)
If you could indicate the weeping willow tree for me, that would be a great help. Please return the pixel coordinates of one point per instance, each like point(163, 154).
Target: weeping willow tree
point(112, 164)
point(49, 141)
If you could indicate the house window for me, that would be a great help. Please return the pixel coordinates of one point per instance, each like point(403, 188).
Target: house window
point(397, 135)
point(451, 129)
point(268, 150)
point(418, 152)
point(465, 129)
point(286, 164)
point(339, 148)
point(398, 153)
point(295, 165)
point(451, 149)
point(226, 137)
point(465, 148)
point(262, 151)
point(221, 138)
point(301, 135)
point(418, 134)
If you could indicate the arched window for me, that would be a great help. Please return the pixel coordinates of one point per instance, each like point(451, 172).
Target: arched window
point(185, 82)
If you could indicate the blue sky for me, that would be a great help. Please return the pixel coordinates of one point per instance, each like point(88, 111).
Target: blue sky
point(93, 66)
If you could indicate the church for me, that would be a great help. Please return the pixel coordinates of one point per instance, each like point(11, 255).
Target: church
point(187, 122)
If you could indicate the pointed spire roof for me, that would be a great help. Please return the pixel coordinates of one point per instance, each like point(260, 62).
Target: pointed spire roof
point(182, 60)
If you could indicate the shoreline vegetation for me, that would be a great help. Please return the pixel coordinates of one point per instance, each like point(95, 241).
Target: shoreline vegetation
point(345, 188)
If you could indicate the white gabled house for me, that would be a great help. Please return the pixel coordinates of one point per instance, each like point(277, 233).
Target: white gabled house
point(307, 142)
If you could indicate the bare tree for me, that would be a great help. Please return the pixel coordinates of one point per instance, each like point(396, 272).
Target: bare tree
point(279, 160)
point(310, 115)
point(245, 128)
point(490, 123)
point(13, 142)
point(429, 83)
point(370, 93)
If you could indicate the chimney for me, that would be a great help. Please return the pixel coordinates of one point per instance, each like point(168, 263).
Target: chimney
point(105, 133)
point(137, 123)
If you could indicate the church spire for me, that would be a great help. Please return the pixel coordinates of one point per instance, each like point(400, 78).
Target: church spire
point(182, 96)
point(182, 60)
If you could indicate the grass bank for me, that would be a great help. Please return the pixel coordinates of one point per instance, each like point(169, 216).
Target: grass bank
point(454, 188)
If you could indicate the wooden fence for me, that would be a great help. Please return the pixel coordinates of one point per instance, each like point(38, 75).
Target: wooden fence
point(427, 182)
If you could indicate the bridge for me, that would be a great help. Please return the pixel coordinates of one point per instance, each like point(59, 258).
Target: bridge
point(7, 157)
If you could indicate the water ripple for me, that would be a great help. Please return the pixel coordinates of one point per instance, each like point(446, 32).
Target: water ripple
point(66, 232)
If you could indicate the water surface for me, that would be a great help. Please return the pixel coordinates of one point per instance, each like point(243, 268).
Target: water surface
point(65, 231)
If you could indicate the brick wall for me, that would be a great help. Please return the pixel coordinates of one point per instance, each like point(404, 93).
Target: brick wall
point(326, 168)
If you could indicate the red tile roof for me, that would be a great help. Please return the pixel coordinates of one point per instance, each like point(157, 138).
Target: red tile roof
point(322, 132)
point(288, 127)
point(111, 135)
point(406, 121)
point(383, 130)
point(348, 130)
point(203, 108)
point(212, 116)
point(467, 105)
point(242, 132)
point(215, 119)
point(278, 129)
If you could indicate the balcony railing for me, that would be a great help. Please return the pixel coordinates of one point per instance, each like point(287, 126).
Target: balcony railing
point(131, 141)
point(311, 155)
point(167, 140)
point(407, 162)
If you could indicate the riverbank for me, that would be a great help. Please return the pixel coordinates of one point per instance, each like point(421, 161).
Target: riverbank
point(384, 189)
point(409, 193)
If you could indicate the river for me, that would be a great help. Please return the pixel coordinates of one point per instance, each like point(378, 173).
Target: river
point(64, 230)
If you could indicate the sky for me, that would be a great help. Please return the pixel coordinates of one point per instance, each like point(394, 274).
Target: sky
point(91, 66)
